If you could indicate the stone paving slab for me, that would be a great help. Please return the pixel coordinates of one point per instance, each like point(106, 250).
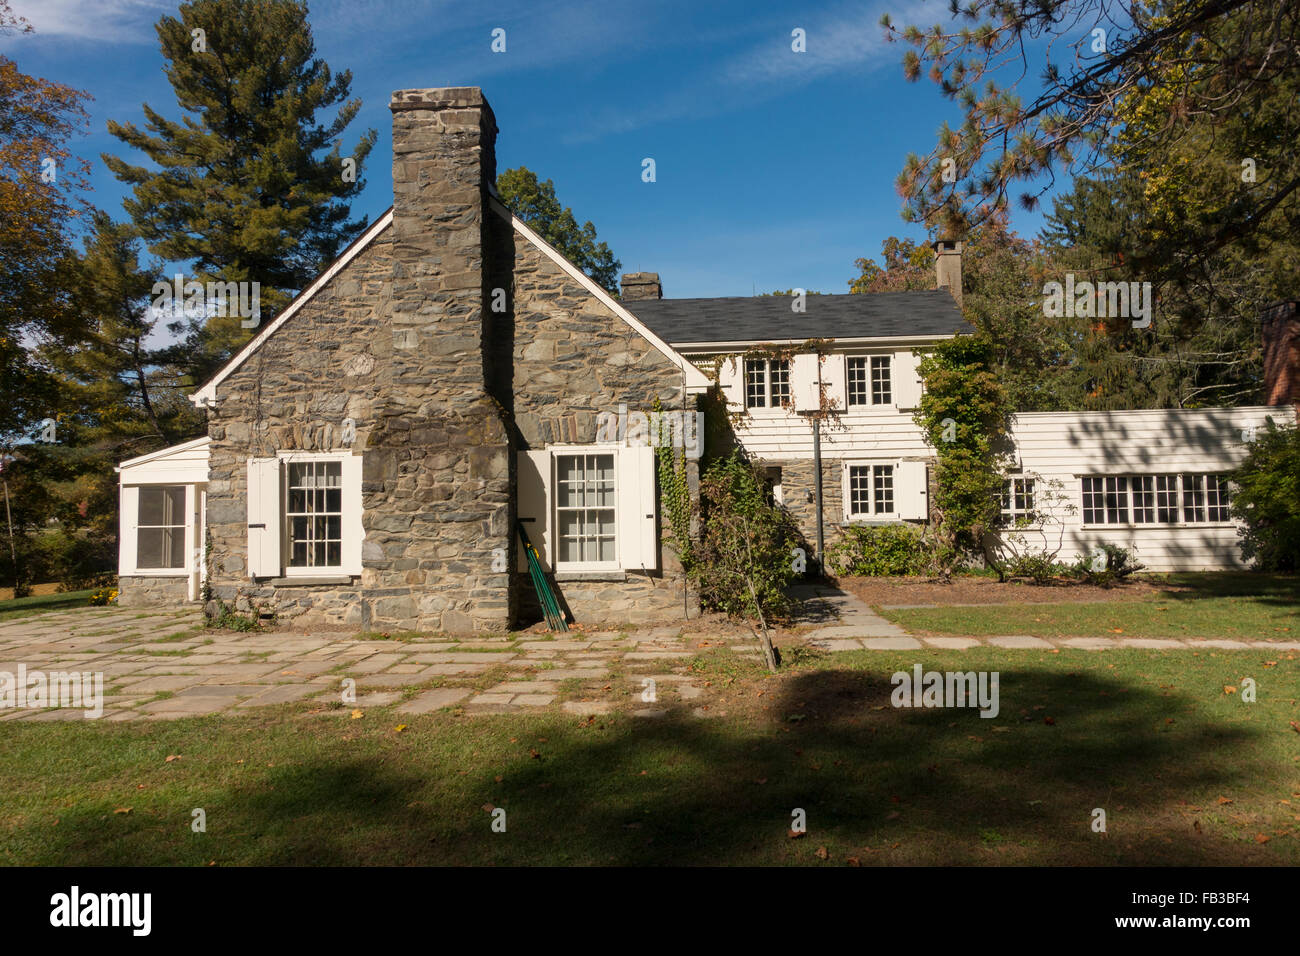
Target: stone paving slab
point(1018, 640)
point(891, 643)
point(951, 643)
point(435, 699)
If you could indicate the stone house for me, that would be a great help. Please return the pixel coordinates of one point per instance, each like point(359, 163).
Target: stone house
point(371, 452)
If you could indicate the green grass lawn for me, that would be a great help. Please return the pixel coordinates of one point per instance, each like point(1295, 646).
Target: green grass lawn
point(1240, 617)
point(1229, 605)
point(1186, 773)
point(15, 608)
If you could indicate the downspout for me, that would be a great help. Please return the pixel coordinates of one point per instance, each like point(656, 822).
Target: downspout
point(817, 487)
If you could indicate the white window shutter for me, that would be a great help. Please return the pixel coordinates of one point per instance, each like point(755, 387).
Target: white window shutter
point(907, 380)
point(264, 518)
point(911, 496)
point(127, 521)
point(638, 522)
point(354, 531)
point(805, 385)
point(533, 505)
point(731, 379)
point(835, 381)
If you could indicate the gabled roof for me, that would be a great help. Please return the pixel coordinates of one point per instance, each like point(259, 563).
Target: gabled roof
point(770, 318)
point(168, 452)
point(694, 378)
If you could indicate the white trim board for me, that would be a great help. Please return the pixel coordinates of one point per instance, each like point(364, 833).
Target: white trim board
point(163, 453)
point(695, 379)
point(207, 395)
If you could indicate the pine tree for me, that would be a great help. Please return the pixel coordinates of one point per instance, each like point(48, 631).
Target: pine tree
point(249, 186)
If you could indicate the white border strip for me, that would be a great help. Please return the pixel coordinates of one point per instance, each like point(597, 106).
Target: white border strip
point(207, 395)
point(694, 377)
point(162, 453)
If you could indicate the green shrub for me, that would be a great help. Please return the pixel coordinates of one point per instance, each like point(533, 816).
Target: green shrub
point(743, 559)
point(889, 549)
point(1039, 566)
point(1120, 563)
point(1267, 500)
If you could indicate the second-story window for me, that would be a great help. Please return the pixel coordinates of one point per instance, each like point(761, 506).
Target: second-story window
point(767, 383)
point(870, 381)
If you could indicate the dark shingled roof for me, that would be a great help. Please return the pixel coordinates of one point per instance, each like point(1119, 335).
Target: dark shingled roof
point(769, 318)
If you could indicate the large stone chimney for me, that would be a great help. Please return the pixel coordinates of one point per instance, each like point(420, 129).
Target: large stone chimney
point(641, 285)
point(947, 266)
point(437, 467)
point(1280, 330)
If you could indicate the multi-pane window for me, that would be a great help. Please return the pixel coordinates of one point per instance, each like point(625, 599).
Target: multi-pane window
point(1017, 499)
point(767, 383)
point(871, 490)
point(315, 513)
point(160, 534)
point(1155, 499)
point(881, 391)
point(584, 509)
point(1105, 500)
point(869, 381)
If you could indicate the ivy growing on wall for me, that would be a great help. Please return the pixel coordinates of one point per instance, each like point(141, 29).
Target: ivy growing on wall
point(965, 415)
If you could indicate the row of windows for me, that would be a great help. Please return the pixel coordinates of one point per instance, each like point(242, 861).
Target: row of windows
point(1134, 499)
point(870, 382)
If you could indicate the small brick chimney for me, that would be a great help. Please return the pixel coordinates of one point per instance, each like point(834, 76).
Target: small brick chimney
point(1280, 330)
point(641, 285)
point(947, 266)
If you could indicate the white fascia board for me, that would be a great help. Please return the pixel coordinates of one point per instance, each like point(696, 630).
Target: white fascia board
point(838, 344)
point(696, 380)
point(163, 453)
point(207, 395)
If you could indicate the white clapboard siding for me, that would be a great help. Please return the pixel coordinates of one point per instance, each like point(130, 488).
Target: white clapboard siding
point(1061, 447)
point(780, 435)
point(911, 496)
point(534, 504)
point(805, 382)
point(264, 556)
point(906, 380)
point(354, 531)
point(1149, 440)
point(638, 524)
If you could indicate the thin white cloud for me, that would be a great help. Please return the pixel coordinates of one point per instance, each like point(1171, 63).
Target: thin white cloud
point(118, 21)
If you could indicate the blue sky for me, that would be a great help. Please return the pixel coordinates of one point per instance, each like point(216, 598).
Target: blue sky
point(774, 169)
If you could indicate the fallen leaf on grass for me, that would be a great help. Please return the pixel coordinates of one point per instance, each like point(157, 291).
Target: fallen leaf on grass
point(823, 853)
point(1262, 838)
point(171, 757)
point(122, 810)
point(1224, 801)
point(795, 834)
point(357, 715)
point(853, 861)
point(1229, 689)
point(399, 728)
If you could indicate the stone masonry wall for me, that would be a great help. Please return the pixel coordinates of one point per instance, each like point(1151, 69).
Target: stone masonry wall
point(395, 342)
point(146, 591)
point(573, 359)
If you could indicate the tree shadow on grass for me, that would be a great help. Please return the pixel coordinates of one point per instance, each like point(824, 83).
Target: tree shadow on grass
point(879, 783)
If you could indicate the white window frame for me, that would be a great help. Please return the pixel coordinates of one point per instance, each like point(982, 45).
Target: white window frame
point(348, 498)
point(873, 516)
point(1008, 510)
point(1175, 494)
point(869, 361)
point(138, 570)
point(574, 451)
point(764, 367)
